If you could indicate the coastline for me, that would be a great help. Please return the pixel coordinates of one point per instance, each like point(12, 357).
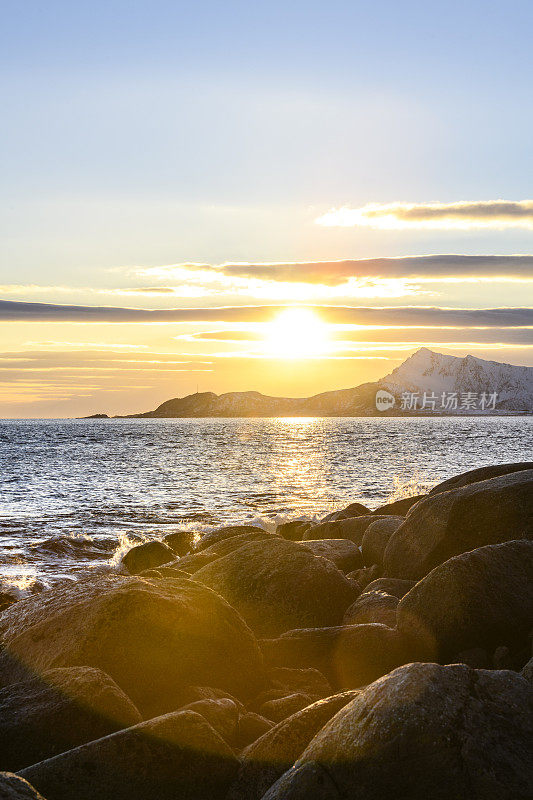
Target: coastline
point(237, 661)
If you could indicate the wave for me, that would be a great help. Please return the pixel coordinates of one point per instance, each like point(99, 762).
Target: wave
point(75, 545)
point(20, 586)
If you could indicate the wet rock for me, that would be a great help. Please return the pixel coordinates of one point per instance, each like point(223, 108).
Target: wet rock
point(229, 532)
point(192, 562)
point(400, 507)
point(424, 732)
point(232, 543)
point(166, 571)
point(372, 606)
point(64, 708)
point(293, 530)
point(483, 598)
point(481, 474)
point(395, 586)
point(277, 585)
point(342, 552)
point(147, 556)
point(352, 528)
point(154, 637)
point(267, 759)
point(459, 520)
point(6, 599)
point(180, 542)
point(376, 539)
point(12, 787)
point(353, 510)
point(177, 755)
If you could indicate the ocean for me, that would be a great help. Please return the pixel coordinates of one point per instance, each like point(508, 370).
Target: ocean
point(77, 493)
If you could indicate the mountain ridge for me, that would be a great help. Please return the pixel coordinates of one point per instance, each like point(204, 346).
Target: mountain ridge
point(434, 377)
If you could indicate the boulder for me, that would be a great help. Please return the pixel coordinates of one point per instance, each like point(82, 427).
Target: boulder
point(453, 522)
point(399, 508)
point(372, 606)
point(395, 586)
point(228, 532)
point(221, 713)
point(192, 562)
point(154, 637)
point(293, 530)
point(280, 708)
point(232, 543)
point(251, 727)
point(353, 510)
point(12, 787)
point(352, 528)
point(476, 657)
point(194, 694)
point(365, 576)
point(376, 539)
point(483, 598)
point(303, 648)
point(267, 759)
point(147, 556)
point(180, 541)
point(166, 571)
point(307, 781)
point(349, 656)
point(527, 672)
point(342, 552)
point(177, 755)
point(424, 732)
point(66, 707)
point(6, 599)
point(366, 652)
point(480, 474)
point(308, 680)
point(277, 585)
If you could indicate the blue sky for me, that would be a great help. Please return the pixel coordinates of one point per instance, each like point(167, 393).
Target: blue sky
point(139, 135)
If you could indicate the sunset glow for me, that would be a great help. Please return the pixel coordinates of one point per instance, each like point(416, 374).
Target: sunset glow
point(297, 333)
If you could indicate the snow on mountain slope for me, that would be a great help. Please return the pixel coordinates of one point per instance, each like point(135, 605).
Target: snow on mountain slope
point(426, 371)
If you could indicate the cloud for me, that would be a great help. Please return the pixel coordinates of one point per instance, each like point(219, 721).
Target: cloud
point(11, 310)
point(435, 336)
point(451, 266)
point(461, 215)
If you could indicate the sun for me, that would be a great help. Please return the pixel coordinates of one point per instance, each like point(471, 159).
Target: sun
point(296, 333)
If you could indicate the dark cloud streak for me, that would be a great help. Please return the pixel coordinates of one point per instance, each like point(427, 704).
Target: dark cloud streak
point(18, 311)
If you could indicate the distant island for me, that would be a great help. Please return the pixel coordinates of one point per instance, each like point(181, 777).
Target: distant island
point(426, 383)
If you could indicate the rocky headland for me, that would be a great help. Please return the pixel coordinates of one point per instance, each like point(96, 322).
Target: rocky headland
point(427, 383)
point(377, 654)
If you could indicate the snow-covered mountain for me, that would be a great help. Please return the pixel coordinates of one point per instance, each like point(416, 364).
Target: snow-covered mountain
point(429, 372)
point(451, 385)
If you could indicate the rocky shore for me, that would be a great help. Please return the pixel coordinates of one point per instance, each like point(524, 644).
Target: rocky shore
point(373, 655)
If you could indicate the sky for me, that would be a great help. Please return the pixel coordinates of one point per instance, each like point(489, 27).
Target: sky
point(175, 176)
